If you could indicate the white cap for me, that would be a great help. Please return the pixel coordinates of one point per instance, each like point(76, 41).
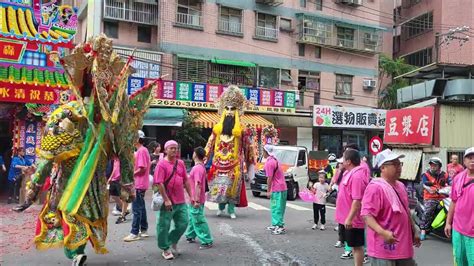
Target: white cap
point(386, 156)
point(141, 134)
point(269, 149)
point(469, 152)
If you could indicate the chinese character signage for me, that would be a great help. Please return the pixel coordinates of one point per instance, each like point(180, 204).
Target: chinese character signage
point(11, 51)
point(24, 93)
point(134, 84)
point(204, 96)
point(30, 137)
point(348, 117)
point(409, 126)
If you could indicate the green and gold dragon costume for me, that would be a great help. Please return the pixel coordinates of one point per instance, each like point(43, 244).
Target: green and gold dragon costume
point(79, 139)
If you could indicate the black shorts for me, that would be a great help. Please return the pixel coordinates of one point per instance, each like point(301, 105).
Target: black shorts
point(115, 188)
point(354, 237)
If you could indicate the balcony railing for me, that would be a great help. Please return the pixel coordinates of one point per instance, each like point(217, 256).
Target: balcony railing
point(193, 20)
point(268, 33)
point(230, 27)
point(131, 11)
point(270, 2)
point(365, 39)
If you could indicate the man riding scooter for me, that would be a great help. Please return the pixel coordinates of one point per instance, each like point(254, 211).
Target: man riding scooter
point(433, 180)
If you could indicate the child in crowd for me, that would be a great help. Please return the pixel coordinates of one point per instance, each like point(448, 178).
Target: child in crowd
point(320, 189)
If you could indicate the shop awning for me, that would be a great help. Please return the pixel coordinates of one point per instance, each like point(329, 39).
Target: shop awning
point(233, 62)
point(165, 117)
point(411, 162)
point(209, 119)
point(195, 57)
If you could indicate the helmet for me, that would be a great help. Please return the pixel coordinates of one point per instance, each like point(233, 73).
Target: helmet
point(332, 157)
point(435, 160)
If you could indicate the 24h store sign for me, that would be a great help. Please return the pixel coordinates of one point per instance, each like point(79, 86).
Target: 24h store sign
point(348, 117)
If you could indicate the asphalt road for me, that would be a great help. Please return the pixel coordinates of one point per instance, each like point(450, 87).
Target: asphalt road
point(243, 241)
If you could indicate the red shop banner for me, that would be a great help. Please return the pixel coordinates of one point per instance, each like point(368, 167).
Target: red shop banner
point(24, 93)
point(409, 126)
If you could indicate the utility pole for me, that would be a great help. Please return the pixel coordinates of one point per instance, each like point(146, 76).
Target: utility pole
point(448, 37)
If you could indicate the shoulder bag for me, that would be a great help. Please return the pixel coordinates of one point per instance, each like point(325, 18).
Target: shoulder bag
point(158, 200)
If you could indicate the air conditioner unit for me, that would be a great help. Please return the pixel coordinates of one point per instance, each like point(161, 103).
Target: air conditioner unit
point(369, 84)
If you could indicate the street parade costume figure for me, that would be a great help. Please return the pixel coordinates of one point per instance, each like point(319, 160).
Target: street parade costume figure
point(232, 147)
point(80, 137)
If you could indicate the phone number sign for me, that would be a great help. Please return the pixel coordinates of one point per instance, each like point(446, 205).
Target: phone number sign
point(204, 96)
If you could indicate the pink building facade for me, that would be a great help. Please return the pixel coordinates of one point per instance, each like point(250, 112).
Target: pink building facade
point(421, 20)
point(325, 51)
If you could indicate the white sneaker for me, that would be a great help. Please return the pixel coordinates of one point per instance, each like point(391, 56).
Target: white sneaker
point(315, 226)
point(167, 255)
point(271, 228)
point(144, 234)
point(219, 213)
point(174, 249)
point(79, 260)
point(116, 213)
point(279, 231)
point(338, 244)
point(131, 237)
point(233, 216)
point(322, 228)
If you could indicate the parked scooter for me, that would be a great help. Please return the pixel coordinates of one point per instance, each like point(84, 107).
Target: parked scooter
point(441, 213)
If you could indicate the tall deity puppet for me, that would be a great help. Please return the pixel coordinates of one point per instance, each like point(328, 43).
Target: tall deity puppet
point(232, 148)
point(79, 138)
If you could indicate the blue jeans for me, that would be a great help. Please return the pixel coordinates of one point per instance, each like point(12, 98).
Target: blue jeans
point(140, 222)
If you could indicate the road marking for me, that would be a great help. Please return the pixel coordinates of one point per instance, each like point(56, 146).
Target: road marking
point(297, 207)
point(211, 205)
point(264, 257)
point(257, 207)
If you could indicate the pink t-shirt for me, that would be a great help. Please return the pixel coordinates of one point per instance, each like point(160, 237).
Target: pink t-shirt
point(115, 176)
point(366, 166)
point(142, 159)
point(198, 175)
point(454, 170)
point(376, 204)
point(463, 220)
point(353, 190)
point(278, 178)
point(175, 188)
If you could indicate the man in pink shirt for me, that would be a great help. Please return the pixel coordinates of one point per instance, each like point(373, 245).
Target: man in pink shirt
point(351, 191)
point(454, 167)
point(141, 180)
point(460, 222)
point(198, 226)
point(277, 190)
point(391, 231)
point(170, 180)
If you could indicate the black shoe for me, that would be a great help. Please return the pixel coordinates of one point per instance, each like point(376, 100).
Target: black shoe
point(127, 213)
point(190, 240)
point(9, 201)
point(205, 246)
point(120, 220)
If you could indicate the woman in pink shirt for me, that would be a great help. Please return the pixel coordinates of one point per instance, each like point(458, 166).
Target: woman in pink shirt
point(391, 232)
point(460, 222)
point(277, 190)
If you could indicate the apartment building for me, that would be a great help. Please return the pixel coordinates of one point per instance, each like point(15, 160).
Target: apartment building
point(287, 56)
point(420, 21)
